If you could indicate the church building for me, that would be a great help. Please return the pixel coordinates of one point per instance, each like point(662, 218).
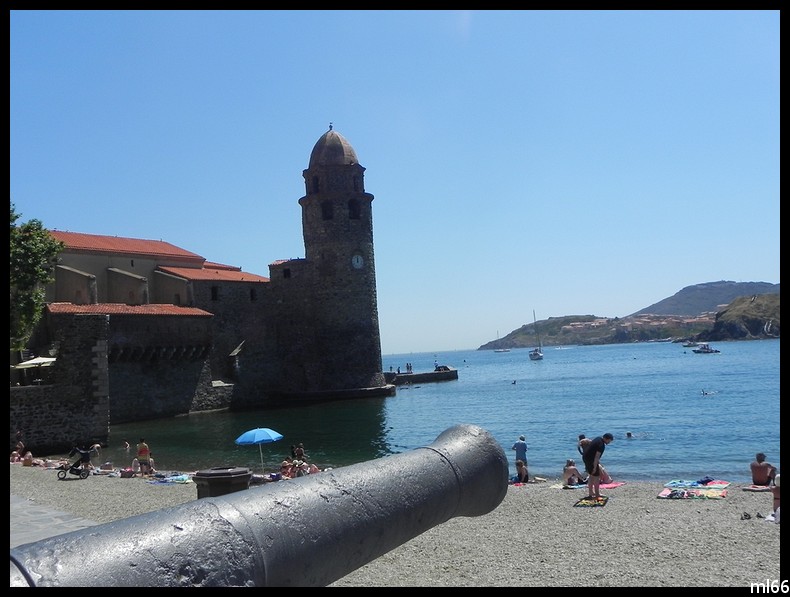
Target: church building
point(166, 332)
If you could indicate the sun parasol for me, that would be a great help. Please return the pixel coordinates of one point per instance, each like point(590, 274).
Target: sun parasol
point(259, 436)
point(35, 362)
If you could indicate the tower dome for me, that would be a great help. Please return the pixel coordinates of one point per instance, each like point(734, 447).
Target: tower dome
point(332, 149)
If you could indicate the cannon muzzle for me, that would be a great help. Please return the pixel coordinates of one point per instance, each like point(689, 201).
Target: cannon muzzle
point(309, 531)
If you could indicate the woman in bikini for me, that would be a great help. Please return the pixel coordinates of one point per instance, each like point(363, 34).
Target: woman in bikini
point(571, 475)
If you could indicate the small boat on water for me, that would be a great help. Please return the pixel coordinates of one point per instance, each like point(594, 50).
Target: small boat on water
point(500, 349)
point(536, 354)
point(705, 349)
point(690, 344)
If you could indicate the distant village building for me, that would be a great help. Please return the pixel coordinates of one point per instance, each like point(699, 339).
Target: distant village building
point(172, 332)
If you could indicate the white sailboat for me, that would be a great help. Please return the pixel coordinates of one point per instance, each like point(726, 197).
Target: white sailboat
point(536, 354)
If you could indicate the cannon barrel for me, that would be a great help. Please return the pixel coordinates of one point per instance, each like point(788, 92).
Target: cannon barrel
point(309, 531)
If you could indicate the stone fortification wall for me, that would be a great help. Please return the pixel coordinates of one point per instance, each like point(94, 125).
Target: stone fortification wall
point(115, 369)
point(75, 406)
point(241, 312)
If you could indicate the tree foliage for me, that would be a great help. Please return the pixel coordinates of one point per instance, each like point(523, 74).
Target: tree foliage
point(33, 256)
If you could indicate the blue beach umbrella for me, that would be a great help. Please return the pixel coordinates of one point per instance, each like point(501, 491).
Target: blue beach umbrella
point(259, 436)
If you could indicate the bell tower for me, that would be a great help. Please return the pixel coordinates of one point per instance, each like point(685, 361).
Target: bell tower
point(341, 310)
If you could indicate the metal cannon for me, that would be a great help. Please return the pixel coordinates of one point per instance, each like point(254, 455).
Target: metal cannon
point(309, 531)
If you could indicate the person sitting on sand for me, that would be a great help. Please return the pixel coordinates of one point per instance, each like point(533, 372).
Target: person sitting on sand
point(299, 468)
point(762, 472)
point(605, 476)
point(571, 475)
point(286, 471)
point(522, 474)
point(775, 492)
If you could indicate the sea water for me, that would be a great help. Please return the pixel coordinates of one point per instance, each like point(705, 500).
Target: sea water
point(690, 415)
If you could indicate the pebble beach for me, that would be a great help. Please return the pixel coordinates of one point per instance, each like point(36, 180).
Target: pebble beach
point(534, 538)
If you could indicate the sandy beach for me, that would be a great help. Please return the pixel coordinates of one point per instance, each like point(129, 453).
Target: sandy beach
point(534, 538)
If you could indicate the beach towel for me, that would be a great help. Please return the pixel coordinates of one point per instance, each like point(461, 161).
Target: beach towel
point(756, 488)
point(684, 483)
point(173, 479)
point(611, 485)
point(689, 493)
point(586, 502)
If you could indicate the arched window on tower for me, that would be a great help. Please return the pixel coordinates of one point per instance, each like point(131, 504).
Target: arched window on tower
point(316, 185)
point(356, 184)
point(327, 212)
point(353, 209)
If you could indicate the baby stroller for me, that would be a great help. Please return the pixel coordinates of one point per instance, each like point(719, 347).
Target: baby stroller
point(74, 468)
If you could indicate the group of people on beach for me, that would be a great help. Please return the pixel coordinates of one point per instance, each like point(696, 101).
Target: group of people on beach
point(764, 474)
point(590, 450)
point(296, 464)
point(79, 458)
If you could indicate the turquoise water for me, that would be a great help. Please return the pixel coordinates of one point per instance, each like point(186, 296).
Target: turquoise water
point(653, 390)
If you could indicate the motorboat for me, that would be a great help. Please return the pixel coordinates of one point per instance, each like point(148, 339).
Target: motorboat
point(705, 349)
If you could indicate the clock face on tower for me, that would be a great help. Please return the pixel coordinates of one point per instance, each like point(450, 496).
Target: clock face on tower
point(357, 261)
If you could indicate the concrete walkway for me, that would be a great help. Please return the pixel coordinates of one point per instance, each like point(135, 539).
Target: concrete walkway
point(30, 522)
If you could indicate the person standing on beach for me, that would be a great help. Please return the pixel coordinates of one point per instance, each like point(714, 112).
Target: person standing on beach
point(592, 459)
point(143, 456)
point(521, 449)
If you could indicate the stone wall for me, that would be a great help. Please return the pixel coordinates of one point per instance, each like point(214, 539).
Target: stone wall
point(75, 406)
point(162, 371)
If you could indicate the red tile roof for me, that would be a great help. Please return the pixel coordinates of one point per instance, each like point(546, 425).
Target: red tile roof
point(220, 275)
point(121, 309)
point(77, 241)
point(215, 265)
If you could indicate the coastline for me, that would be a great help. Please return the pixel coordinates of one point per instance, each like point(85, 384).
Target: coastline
point(535, 537)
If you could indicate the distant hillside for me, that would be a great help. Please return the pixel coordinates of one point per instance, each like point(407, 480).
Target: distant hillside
point(702, 312)
point(747, 317)
point(706, 298)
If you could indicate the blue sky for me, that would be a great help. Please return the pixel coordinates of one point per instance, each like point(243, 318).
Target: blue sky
point(570, 162)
